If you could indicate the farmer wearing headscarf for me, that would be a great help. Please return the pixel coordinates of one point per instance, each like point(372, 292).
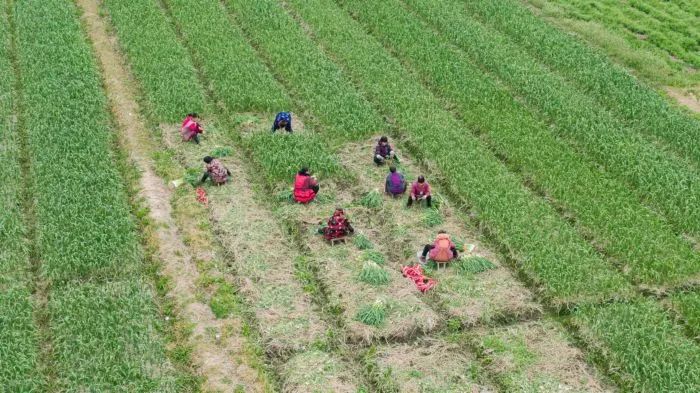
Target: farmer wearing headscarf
point(305, 186)
point(395, 184)
point(338, 226)
point(216, 171)
point(383, 151)
point(191, 128)
point(282, 120)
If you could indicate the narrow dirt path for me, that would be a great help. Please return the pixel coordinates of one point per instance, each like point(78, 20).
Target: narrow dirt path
point(685, 98)
point(219, 359)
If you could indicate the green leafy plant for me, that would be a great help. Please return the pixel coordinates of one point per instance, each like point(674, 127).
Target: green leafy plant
point(373, 274)
point(221, 151)
point(374, 256)
point(432, 218)
point(361, 242)
point(474, 265)
point(372, 200)
point(193, 176)
point(372, 314)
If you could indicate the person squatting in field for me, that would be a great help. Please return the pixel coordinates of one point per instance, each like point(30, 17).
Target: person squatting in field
point(191, 128)
point(338, 226)
point(282, 120)
point(442, 249)
point(383, 151)
point(216, 171)
point(420, 190)
point(395, 184)
point(305, 186)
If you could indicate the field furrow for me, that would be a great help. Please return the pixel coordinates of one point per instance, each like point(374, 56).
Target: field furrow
point(101, 313)
point(496, 196)
point(643, 245)
point(612, 86)
point(643, 348)
point(19, 336)
point(662, 179)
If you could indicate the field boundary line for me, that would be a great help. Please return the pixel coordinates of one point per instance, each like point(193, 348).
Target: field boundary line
point(215, 362)
point(39, 286)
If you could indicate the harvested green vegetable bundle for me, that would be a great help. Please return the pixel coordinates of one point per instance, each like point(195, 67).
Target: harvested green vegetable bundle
point(475, 265)
point(371, 200)
point(373, 274)
point(373, 315)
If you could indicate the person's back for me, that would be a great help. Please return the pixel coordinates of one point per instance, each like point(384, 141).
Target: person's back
point(190, 128)
point(305, 188)
point(218, 172)
point(395, 182)
point(282, 120)
point(442, 248)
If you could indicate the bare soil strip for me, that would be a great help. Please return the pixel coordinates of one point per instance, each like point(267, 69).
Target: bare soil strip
point(685, 97)
point(535, 356)
point(490, 296)
point(220, 362)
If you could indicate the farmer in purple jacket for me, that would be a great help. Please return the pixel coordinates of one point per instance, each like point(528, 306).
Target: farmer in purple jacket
point(383, 151)
point(395, 183)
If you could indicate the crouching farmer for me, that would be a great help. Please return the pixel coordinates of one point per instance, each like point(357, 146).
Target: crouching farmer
point(216, 171)
point(383, 151)
point(305, 187)
point(191, 128)
point(395, 184)
point(420, 190)
point(283, 120)
point(442, 250)
point(338, 226)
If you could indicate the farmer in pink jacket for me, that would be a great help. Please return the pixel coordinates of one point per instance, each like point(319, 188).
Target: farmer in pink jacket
point(420, 190)
point(190, 128)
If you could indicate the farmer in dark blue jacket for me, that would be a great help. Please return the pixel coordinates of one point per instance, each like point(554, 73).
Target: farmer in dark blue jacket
point(283, 120)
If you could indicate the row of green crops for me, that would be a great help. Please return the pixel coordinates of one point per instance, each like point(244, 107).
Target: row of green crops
point(18, 334)
point(610, 85)
point(237, 76)
point(616, 220)
point(551, 252)
point(102, 325)
point(687, 304)
point(160, 62)
point(661, 178)
point(678, 36)
point(315, 81)
point(642, 347)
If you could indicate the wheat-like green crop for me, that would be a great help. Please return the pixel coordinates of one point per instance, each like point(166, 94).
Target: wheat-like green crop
point(373, 274)
point(372, 314)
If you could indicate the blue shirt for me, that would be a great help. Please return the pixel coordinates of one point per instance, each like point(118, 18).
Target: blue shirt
point(282, 116)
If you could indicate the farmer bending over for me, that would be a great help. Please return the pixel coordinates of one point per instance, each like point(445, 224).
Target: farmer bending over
point(383, 151)
point(305, 186)
point(395, 184)
point(283, 120)
point(190, 128)
point(338, 226)
point(216, 171)
point(442, 249)
point(420, 190)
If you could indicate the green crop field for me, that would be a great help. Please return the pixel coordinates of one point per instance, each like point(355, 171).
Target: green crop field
point(567, 176)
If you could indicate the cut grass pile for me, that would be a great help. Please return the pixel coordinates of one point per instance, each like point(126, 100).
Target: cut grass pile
point(643, 349)
point(373, 274)
point(372, 314)
point(316, 371)
point(158, 60)
point(602, 206)
point(372, 200)
point(504, 206)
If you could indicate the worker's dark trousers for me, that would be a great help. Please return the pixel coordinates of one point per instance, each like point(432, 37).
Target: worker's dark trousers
point(195, 138)
point(429, 247)
point(428, 201)
point(315, 188)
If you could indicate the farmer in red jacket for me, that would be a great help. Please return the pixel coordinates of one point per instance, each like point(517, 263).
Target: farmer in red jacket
point(338, 226)
point(305, 186)
point(420, 190)
point(191, 129)
point(442, 249)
